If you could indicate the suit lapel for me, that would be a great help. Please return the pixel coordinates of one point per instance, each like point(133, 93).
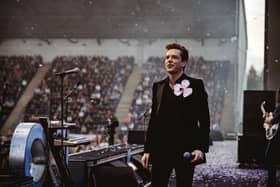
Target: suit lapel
point(160, 88)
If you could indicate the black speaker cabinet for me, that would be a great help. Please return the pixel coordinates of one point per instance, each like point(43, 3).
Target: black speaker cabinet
point(252, 115)
point(251, 149)
point(116, 173)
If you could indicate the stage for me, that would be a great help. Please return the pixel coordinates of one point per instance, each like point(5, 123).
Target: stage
point(222, 169)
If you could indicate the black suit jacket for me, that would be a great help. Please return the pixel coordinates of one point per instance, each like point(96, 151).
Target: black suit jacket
point(195, 118)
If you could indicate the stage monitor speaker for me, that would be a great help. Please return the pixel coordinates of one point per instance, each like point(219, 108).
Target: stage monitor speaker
point(116, 173)
point(80, 173)
point(136, 137)
point(251, 150)
point(252, 115)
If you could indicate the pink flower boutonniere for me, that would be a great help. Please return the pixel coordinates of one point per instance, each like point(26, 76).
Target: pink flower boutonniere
point(183, 88)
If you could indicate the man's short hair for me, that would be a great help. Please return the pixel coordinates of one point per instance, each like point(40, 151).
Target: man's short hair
point(184, 51)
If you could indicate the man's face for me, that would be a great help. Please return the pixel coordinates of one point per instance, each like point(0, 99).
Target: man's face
point(173, 61)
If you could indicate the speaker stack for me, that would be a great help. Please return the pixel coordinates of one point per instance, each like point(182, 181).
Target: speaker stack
point(252, 143)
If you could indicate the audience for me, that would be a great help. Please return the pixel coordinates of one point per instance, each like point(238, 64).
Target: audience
point(15, 74)
point(214, 74)
point(101, 79)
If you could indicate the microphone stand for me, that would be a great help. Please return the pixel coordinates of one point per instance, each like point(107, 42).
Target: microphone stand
point(144, 122)
point(61, 152)
point(144, 127)
point(66, 100)
point(66, 115)
point(61, 114)
point(66, 109)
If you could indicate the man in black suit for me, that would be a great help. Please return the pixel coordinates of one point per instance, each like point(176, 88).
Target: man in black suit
point(179, 122)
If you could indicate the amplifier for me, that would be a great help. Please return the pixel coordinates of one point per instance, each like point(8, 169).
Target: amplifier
point(251, 149)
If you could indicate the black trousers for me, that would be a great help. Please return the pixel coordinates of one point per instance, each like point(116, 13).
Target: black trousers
point(162, 168)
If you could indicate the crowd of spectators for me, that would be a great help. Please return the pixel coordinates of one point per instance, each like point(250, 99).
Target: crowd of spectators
point(152, 70)
point(5, 141)
point(15, 74)
point(100, 79)
point(214, 74)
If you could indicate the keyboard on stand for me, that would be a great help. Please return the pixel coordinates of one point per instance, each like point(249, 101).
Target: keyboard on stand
point(104, 155)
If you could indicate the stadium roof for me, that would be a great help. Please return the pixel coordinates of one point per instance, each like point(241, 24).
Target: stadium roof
point(119, 18)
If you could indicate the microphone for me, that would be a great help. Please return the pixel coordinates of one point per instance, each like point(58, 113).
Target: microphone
point(70, 71)
point(188, 156)
point(144, 114)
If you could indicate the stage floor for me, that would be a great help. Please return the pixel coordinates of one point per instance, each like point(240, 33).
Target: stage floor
point(222, 169)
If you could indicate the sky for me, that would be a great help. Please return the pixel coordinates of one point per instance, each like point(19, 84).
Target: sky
point(255, 17)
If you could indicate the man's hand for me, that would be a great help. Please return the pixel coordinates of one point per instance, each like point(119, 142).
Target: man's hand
point(145, 160)
point(268, 119)
point(198, 156)
point(265, 115)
